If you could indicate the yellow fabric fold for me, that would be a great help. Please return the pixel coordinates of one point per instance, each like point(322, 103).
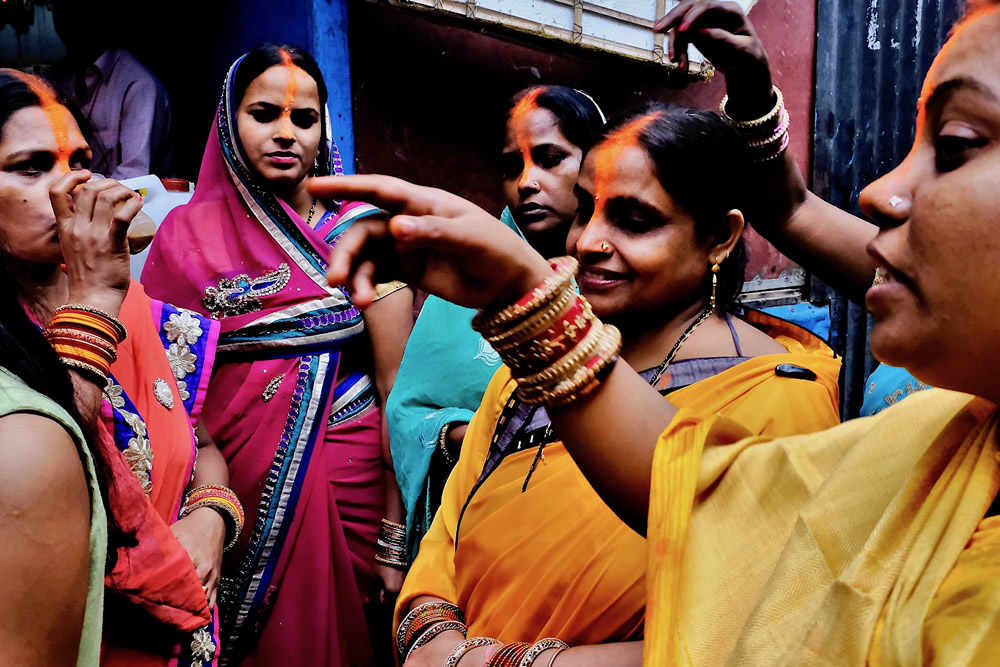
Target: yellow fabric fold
point(797, 546)
point(554, 560)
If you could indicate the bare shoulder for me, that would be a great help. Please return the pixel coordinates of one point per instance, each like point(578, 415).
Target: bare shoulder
point(754, 342)
point(41, 473)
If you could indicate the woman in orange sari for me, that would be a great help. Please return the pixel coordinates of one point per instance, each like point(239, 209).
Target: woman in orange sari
point(161, 592)
point(874, 542)
point(522, 545)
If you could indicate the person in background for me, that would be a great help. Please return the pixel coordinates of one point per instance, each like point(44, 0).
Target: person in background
point(447, 365)
point(296, 399)
point(125, 105)
point(140, 370)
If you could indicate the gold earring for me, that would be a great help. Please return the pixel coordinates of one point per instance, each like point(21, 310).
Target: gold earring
point(715, 284)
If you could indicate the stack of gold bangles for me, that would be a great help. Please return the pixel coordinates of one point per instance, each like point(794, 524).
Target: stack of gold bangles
point(766, 136)
point(224, 501)
point(554, 346)
point(86, 339)
point(391, 546)
point(523, 654)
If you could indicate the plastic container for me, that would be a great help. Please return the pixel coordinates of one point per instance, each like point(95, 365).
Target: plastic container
point(159, 197)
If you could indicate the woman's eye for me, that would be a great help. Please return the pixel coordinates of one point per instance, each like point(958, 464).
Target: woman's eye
point(264, 115)
point(550, 160)
point(952, 151)
point(511, 166)
point(35, 166)
point(304, 118)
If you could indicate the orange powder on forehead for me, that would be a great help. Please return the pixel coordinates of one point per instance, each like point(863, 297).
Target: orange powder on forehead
point(518, 116)
point(610, 152)
point(290, 90)
point(60, 120)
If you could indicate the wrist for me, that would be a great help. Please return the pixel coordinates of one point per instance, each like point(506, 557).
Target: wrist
point(748, 100)
point(531, 273)
point(108, 300)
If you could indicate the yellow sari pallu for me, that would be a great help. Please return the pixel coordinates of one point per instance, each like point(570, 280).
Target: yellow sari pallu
point(550, 558)
point(863, 544)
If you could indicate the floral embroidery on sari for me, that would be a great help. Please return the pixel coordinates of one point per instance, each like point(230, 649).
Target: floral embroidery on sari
point(241, 294)
point(130, 435)
point(186, 338)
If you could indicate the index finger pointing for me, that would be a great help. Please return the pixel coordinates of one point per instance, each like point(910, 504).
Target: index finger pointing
point(392, 194)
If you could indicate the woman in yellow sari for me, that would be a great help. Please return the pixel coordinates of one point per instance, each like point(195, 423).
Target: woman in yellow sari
point(875, 542)
point(522, 544)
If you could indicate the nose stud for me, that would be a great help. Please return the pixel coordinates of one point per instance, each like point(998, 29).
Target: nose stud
point(605, 247)
point(895, 201)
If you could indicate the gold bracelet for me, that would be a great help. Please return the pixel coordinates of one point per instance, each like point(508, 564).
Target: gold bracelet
point(583, 381)
point(540, 646)
point(756, 122)
point(567, 363)
point(490, 324)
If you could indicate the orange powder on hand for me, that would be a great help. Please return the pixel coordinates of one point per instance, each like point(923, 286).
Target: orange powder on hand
point(610, 152)
point(60, 119)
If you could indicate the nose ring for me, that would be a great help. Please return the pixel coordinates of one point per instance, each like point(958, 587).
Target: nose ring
point(895, 201)
point(605, 247)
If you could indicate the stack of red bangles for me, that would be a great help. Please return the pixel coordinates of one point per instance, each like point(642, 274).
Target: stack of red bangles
point(767, 136)
point(223, 501)
point(86, 339)
point(554, 346)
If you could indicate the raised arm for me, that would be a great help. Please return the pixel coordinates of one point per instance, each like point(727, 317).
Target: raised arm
point(455, 250)
point(824, 239)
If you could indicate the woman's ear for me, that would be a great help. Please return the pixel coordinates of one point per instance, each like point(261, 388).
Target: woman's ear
point(729, 235)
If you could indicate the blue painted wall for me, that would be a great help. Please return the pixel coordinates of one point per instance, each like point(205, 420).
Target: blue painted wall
point(320, 26)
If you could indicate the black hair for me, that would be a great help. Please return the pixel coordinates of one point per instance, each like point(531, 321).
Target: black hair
point(703, 164)
point(264, 56)
point(25, 352)
point(577, 114)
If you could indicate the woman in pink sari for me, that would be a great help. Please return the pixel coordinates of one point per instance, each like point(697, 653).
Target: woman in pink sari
point(300, 376)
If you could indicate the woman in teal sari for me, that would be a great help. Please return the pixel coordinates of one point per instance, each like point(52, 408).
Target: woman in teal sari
point(447, 365)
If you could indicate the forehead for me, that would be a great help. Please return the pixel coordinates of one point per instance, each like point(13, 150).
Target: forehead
point(30, 129)
point(533, 126)
point(972, 52)
point(631, 174)
point(274, 83)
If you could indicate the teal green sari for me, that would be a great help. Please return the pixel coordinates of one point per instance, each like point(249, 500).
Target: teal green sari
point(441, 380)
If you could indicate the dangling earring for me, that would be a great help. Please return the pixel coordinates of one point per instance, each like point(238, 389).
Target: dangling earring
point(715, 284)
point(316, 166)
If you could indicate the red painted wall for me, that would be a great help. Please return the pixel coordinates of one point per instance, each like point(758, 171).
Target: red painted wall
point(430, 95)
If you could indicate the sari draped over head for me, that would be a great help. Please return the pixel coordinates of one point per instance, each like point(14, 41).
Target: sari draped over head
point(525, 546)
point(445, 370)
point(156, 612)
point(862, 544)
point(292, 404)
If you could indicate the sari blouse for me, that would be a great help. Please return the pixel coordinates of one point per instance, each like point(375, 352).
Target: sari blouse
point(527, 559)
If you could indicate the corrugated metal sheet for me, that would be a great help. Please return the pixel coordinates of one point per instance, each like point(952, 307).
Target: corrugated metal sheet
point(871, 58)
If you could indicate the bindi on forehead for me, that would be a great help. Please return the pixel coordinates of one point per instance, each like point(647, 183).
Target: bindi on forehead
point(610, 152)
point(60, 120)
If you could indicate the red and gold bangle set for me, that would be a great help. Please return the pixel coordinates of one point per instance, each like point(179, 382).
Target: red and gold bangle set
point(555, 347)
point(86, 338)
point(223, 500)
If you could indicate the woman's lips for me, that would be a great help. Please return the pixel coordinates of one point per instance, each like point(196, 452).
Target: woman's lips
point(283, 159)
point(594, 279)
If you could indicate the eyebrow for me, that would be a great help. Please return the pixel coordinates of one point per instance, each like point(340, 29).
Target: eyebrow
point(271, 105)
point(948, 89)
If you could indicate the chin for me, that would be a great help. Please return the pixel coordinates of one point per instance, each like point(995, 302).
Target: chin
point(897, 345)
point(279, 178)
